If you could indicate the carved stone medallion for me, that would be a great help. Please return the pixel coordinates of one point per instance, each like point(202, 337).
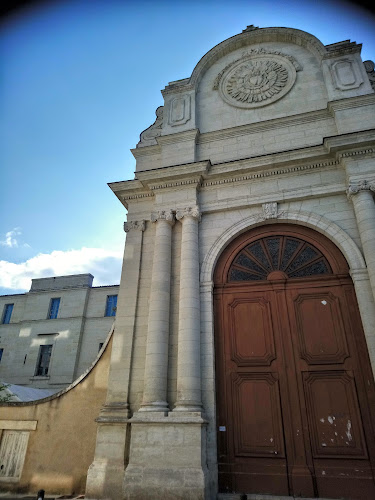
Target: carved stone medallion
point(257, 80)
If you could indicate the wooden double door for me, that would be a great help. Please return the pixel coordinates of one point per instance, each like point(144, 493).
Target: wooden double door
point(294, 385)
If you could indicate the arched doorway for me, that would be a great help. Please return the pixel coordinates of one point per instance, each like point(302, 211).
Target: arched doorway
point(294, 383)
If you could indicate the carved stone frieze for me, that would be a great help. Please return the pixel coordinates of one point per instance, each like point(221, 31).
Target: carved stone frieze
point(140, 225)
point(167, 215)
point(355, 188)
point(188, 212)
point(257, 79)
point(149, 135)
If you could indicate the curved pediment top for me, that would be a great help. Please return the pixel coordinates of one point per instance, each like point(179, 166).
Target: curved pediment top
point(249, 36)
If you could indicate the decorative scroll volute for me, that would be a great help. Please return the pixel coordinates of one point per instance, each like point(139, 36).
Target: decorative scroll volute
point(356, 187)
point(167, 215)
point(188, 212)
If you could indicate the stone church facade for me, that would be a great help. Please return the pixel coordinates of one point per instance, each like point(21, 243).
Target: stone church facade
point(244, 344)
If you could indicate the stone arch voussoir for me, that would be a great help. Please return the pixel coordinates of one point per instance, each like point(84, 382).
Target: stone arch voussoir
point(308, 219)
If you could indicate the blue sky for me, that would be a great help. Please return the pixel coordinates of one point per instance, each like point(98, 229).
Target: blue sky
point(81, 80)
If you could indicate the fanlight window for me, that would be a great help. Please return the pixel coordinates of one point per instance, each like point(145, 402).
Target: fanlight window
point(295, 257)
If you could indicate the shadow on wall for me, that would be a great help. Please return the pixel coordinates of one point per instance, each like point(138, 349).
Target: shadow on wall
point(50, 443)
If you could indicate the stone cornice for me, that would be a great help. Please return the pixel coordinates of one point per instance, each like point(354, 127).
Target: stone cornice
point(146, 151)
point(358, 152)
point(276, 123)
point(186, 136)
point(270, 173)
point(344, 143)
point(196, 181)
point(252, 128)
point(173, 173)
point(177, 87)
point(351, 102)
point(202, 174)
point(342, 48)
point(129, 190)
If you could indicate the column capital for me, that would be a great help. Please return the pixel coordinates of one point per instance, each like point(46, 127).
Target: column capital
point(135, 224)
point(166, 215)
point(193, 212)
point(356, 187)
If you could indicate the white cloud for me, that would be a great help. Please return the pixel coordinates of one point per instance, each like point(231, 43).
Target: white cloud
point(10, 238)
point(105, 265)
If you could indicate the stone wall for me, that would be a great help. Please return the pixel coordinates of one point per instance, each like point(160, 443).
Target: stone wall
point(61, 433)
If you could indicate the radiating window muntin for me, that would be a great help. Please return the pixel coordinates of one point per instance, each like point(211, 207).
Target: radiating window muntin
point(295, 257)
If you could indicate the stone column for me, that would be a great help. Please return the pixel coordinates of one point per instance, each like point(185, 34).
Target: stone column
point(156, 367)
point(188, 362)
point(366, 308)
point(364, 208)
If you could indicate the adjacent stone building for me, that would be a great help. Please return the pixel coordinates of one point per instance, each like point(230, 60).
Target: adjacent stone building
point(243, 353)
point(50, 335)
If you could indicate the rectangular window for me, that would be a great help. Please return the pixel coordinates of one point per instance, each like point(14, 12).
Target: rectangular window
point(110, 309)
point(43, 360)
point(1, 353)
point(54, 308)
point(12, 454)
point(8, 309)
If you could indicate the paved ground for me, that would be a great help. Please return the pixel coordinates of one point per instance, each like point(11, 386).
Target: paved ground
point(14, 496)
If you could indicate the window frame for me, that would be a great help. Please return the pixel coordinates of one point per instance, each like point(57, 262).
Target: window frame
point(113, 308)
point(50, 309)
point(39, 359)
point(5, 311)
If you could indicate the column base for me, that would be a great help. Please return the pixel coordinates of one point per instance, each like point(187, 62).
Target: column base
point(188, 407)
point(147, 483)
point(158, 406)
point(106, 473)
point(104, 481)
point(167, 459)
